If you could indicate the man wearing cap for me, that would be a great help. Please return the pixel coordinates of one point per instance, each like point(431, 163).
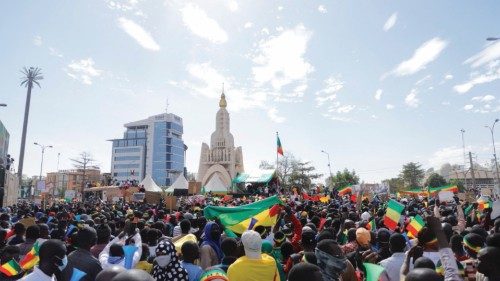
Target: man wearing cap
point(254, 266)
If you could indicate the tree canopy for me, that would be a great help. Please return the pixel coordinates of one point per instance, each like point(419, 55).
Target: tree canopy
point(343, 178)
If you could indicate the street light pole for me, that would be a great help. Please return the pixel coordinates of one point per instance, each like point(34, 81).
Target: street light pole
point(3, 104)
point(465, 158)
point(43, 152)
point(329, 168)
point(492, 130)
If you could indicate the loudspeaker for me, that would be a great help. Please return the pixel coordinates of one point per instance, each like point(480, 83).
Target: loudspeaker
point(180, 192)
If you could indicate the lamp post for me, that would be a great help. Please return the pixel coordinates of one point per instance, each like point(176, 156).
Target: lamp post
point(465, 158)
point(43, 147)
point(492, 38)
point(329, 168)
point(3, 104)
point(492, 130)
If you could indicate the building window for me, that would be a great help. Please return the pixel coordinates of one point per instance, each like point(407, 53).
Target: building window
point(127, 158)
point(126, 166)
point(127, 149)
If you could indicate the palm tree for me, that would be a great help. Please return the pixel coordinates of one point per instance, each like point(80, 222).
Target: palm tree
point(30, 76)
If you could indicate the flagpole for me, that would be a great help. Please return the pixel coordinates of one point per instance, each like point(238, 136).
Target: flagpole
point(278, 185)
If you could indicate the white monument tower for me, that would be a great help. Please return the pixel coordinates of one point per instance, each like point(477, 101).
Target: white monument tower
point(220, 162)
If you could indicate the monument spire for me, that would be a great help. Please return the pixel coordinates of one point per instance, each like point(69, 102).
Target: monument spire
point(222, 102)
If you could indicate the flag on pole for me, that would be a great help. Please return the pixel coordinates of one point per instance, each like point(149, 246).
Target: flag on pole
point(372, 226)
point(415, 225)
point(10, 268)
point(31, 258)
point(393, 214)
point(344, 190)
point(373, 271)
point(278, 144)
point(483, 204)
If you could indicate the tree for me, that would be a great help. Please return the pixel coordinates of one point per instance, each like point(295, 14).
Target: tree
point(412, 174)
point(82, 163)
point(343, 178)
point(285, 167)
point(265, 165)
point(303, 174)
point(435, 180)
point(30, 76)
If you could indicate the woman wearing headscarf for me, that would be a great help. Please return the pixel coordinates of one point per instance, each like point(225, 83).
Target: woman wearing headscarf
point(166, 265)
point(210, 251)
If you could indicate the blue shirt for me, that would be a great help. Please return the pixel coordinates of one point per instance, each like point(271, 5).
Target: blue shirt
point(194, 271)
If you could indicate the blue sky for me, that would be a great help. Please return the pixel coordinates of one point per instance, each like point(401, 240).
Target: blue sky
point(375, 83)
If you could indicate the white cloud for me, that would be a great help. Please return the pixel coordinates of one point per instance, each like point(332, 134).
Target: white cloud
point(272, 113)
point(55, 53)
point(452, 155)
point(139, 34)
point(490, 53)
point(485, 99)
point(412, 100)
point(280, 28)
point(200, 24)
point(492, 73)
point(468, 106)
point(322, 9)
point(445, 103)
point(232, 5)
point(390, 22)
point(37, 40)
point(378, 94)
point(448, 77)
point(389, 106)
point(83, 70)
point(423, 80)
point(280, 8)
point(248, 24)
point(329, 93)
point(423, 55)
point(374, 116)
point(344, 108)
point(280, 59)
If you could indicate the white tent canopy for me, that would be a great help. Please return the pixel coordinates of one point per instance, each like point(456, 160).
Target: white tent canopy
point(215, 184)
point(150, 185)
point(180, 183)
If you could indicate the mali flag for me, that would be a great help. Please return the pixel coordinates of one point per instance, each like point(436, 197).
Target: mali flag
point(241, 218)
point(278, 144)
point(372, 226)
point(393, 214)
point(415, 225)
point(483, 204)
point(344, 190)
point(11, 268)
point(31, 258)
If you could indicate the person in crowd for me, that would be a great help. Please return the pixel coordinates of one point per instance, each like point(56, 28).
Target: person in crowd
point(32, 234)
point(113, 253)
point(423, 274)
point(18, 236)
point(383, 241)
point(211, 252)
point(332, 261)
point(392, 265)
point(267, 248)
point(134, 275)
point(103, 238)
point(166, 265)
point(109, 273)
point(472, 245)
point(190, 253)
point(82, 258)
point(305, 271)
point(53, 260)
point(254, 266)
point(143, 263)
point(229, 248)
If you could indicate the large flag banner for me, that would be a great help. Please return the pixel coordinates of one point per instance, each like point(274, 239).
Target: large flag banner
point(10, 268)
point(393, 214)
point(278, 144)
point(344, 190)
point(241, 218)
point(415, 225)
point(371, 226)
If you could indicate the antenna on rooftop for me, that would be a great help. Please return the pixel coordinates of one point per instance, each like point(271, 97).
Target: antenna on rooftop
point(166, 106)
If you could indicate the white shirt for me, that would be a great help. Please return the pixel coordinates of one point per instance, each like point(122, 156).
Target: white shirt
point(38, 275)
point(392, 265)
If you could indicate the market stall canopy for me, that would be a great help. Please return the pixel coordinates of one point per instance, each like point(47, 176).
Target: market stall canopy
point(262, 176)
point(150, 185)
point(180, 183)
point(215, 185)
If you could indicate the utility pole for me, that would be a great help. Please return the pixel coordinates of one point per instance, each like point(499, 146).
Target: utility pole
point(492, 130)
point(472, 173)
point(465, 158)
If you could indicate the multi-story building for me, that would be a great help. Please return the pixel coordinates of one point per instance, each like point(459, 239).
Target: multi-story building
point(4, 143)
point(152, 146)
point(73, 179)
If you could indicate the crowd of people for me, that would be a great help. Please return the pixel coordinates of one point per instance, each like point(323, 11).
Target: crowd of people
point(313, 240)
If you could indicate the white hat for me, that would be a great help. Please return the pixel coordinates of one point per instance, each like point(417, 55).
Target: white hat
point(252, 243)
point(365, 216)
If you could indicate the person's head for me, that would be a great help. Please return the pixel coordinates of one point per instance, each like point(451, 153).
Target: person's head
point(448, 230)
point(383, 237)
point(325, 234)
point(145, 252)
point(424, 262)
point(423, 274)
point(185, 226)
point(267, 247)
point(456, 245)
point(351, 235)
point(103, 234)
point(116, 254)
point(133, 275)
point(229, 247)
point(152, 236)
point(252, 243)
point(310, 258)
point(86, 237)
point(308, 240)
point(279, 238)
point(427, 239)
point(305, 271)
point(212, 231)
point(52, 256)
point(110, 272)
point(19, 229)
point(9, 252)
point(488, 261)
point(165, 253)
point(214, 274)
point(190, 251)
point(363, 237)
point(286, 250)
point(496, 226)
point(397, 243)
point(262, 231)
point(330, 258)
point(473, 244)
point(493, 240)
